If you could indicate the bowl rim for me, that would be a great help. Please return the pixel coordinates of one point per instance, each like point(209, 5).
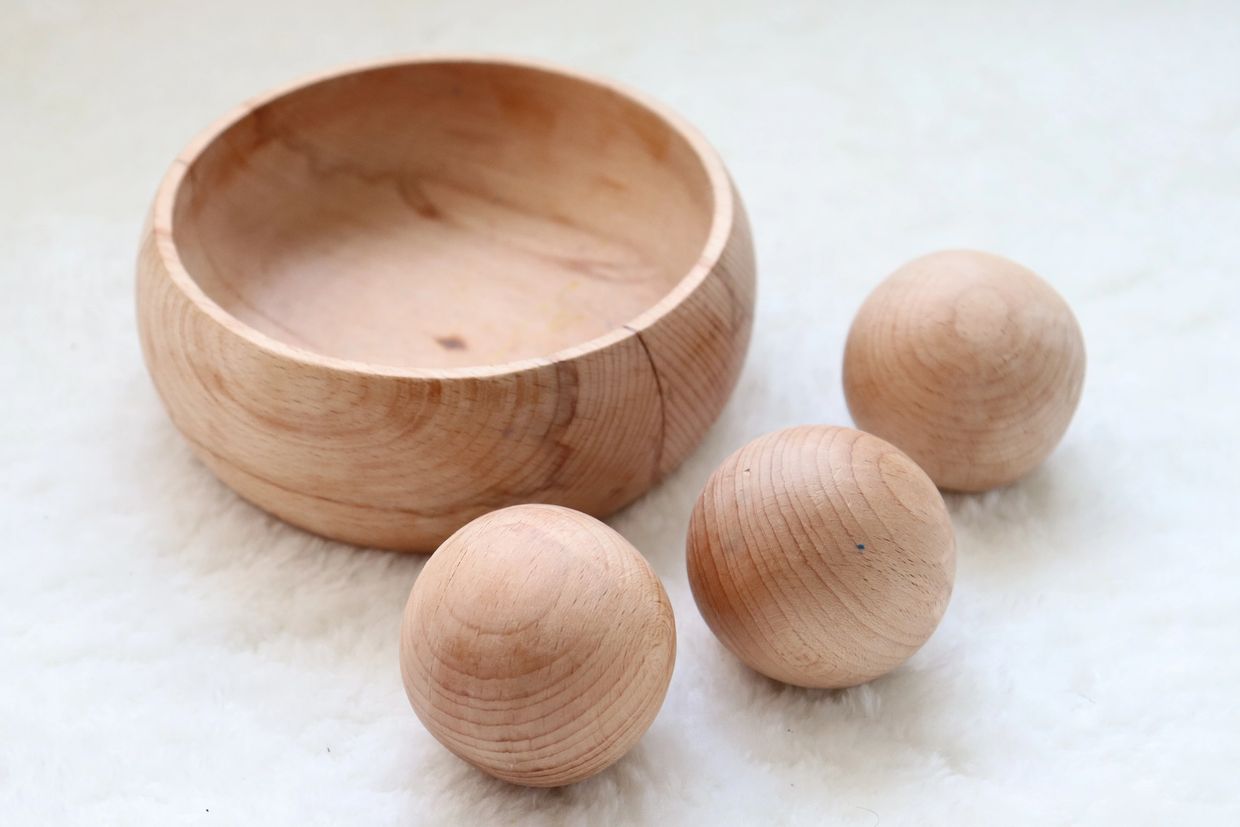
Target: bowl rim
point(721, 223)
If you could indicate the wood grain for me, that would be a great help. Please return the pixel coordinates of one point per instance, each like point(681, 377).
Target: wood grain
point(384, 302)
point(970, 363)
point(537, 645)
point(821, 556)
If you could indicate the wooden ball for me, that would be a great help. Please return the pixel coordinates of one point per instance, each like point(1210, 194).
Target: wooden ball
point(821, 556)
point(970, 363)
point(537, 645)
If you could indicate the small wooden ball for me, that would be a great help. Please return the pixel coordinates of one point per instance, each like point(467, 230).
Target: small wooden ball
point(537, 645)
point(970, 363)
point(821, 556)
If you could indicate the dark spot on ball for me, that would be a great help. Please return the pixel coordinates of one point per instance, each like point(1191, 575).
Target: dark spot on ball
point(429, 210)
point(451, 342)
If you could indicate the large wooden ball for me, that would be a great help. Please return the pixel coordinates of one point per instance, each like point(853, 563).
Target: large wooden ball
point(537, 645)
point(970, 363)
point(821, 556)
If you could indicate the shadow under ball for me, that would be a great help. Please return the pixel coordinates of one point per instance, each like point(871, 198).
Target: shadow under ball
point(821, 556)
point(970, 363)
point(537, 645)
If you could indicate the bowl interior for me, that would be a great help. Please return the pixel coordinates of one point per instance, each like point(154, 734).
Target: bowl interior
point(443, 214)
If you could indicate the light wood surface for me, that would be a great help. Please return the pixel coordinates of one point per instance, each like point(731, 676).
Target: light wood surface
point(382, 303)
point(821, 556)
point(969, 362)
point(537, 645)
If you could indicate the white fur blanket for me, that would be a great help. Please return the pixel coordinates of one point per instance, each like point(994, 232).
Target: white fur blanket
point(171, 655)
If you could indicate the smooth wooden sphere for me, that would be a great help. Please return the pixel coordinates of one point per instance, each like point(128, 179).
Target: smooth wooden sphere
point(384, 302)
point(821, 556)
point(537, 645)
point(970, 363)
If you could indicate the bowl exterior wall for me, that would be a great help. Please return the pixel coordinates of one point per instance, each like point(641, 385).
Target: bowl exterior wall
point(401, 462)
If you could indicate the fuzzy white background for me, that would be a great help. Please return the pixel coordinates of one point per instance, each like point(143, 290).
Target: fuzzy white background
point(171, 655)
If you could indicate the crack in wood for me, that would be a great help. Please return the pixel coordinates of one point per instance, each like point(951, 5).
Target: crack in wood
point(658, 383)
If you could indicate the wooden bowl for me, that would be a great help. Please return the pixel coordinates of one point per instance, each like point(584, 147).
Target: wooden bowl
point(384, 302)
point(537, 645)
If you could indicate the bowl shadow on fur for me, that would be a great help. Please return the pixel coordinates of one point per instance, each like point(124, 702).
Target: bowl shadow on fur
point(263, 579)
